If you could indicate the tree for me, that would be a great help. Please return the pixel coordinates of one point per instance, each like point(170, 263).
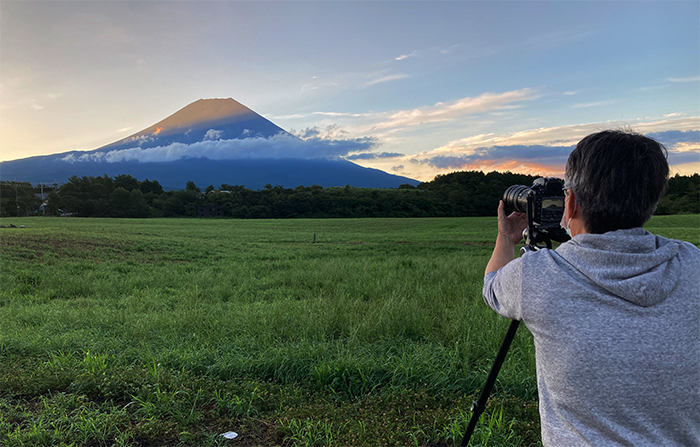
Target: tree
point(173, 206)
point(192, 187)
point(139, 207)
point(152, 187)
point(54, 204)
point(125, 181)
point(121, 202)
point(18, 199)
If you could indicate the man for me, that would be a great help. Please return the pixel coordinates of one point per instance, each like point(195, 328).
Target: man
point(615, 312)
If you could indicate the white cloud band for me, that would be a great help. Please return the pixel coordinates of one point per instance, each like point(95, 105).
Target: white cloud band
point(278, 146)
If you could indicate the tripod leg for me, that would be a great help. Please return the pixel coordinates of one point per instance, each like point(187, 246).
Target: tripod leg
point(479, 406)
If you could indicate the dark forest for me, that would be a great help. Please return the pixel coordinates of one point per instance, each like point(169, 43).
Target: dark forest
point(466, 193)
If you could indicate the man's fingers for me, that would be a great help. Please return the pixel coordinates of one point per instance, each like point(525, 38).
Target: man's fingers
point(501, 210)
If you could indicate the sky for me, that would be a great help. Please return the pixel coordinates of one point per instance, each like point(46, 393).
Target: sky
point(415, 88)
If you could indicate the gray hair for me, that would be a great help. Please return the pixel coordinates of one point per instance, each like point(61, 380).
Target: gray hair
point(618, 178)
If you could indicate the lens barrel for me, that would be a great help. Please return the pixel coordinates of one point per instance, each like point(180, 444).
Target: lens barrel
point(515, 198)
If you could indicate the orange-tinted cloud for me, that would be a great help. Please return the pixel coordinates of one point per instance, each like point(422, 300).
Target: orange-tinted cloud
point(449, 111)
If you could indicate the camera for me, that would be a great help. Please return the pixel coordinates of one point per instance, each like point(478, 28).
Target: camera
point(543, 203)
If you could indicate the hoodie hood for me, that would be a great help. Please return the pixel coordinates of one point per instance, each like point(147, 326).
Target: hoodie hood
point(632, 264)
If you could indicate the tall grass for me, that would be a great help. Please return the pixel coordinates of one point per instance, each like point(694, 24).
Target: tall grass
point(170, 331)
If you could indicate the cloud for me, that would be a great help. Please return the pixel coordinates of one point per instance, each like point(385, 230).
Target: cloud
point(448, 111)
point(213, 134)
point(591, 104)
point(278, 146)
point(450, 49)
point(445, 162)
point(373, 156)
point(688, 157)
point(553, 154)
point(543, 151)
point(400, 120)
point(139, 139)
point(684, 147)
point(653, 87)
point(406, 56)
point(331, 114)
point(387, 78)
point(687, 147)
point(673, 137)
point(355, 79)
point(317, 83)
point(563, 135)
point(689, 79)
point(331, 132)
point(34, 105)
point(524, 167)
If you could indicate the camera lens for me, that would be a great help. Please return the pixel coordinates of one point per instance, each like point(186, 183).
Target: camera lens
point(515, 198)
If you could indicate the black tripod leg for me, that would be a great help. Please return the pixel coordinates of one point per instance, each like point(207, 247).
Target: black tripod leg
point(479, 406)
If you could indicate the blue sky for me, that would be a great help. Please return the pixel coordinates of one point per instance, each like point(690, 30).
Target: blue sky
point(437, 86)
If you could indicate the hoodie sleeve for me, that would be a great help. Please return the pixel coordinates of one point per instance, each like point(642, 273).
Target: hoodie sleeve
point(503, 290)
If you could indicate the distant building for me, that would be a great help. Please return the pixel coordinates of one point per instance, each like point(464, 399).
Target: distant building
point(209, 211)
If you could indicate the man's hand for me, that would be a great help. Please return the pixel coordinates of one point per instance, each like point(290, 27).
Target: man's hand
point(511, 226)
point(510, 232)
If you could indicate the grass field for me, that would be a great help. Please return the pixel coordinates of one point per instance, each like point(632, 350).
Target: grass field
point(174, 331)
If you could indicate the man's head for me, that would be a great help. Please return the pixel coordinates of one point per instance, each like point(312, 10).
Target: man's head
point(617, 179)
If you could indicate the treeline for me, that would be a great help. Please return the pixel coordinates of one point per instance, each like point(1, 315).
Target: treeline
point(467, 193)
point(682, 196)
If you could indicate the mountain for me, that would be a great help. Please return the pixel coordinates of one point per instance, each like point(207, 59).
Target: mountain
point(228, 119)
point(209, 142)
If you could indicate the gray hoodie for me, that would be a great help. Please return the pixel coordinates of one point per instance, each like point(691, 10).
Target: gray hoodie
point(616, 324)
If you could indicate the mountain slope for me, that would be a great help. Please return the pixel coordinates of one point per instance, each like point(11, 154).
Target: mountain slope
point(252, 173)
point(224, 119)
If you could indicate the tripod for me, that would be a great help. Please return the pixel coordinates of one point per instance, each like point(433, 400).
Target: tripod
point(532, 237)
point(479, 406)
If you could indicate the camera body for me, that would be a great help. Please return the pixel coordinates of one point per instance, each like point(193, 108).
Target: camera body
point(543, 203)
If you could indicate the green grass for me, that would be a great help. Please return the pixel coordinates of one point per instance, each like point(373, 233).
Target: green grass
point(172, 331)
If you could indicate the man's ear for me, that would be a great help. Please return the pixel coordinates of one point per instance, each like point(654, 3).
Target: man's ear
point(571, 208)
